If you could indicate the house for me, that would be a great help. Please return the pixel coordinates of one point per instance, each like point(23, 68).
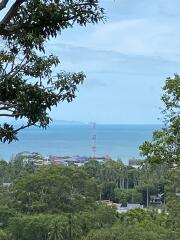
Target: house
point(135, 163)
point(156, 199)
point(129, 207)
point(7, 185)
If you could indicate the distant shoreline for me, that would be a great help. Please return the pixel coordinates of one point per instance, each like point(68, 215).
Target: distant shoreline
point(116, 140)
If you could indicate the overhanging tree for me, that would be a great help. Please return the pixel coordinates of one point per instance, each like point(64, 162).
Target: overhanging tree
point(165, 149)
point(165, 145)
point(29, 87)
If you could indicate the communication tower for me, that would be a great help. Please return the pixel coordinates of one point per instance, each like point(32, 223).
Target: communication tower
point(94, 140)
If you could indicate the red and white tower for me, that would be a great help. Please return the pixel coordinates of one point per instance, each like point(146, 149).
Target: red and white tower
point(94, 140)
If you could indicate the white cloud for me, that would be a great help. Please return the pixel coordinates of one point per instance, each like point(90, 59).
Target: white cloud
point(149, 37)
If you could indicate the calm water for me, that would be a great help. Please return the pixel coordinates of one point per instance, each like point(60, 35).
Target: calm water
point(118, 141)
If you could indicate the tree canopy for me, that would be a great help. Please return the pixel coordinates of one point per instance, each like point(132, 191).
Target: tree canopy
point(165, 145)
point(31, 83)
point(53, 202)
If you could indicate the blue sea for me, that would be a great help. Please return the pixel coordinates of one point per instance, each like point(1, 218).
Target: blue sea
point(118, 141)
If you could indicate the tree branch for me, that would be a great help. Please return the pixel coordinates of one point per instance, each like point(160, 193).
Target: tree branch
point(16, 70)
point(8, 30)
point(7, 104)
point(6, 108)
point(9, 115)
point(12, 12)
point(3, 4)
point(23, 127)
point(6, 115)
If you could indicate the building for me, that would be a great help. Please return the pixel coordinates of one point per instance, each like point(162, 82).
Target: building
point(130, 206)
point(135, 163)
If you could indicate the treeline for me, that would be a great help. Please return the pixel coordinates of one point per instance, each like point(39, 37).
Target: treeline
point(115, 181)
point(125, 184)
point(58, 202)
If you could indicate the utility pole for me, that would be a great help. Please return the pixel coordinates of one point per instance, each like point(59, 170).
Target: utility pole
point(147, 197)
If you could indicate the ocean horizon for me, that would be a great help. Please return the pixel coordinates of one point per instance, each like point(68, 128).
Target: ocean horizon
point(119, 141)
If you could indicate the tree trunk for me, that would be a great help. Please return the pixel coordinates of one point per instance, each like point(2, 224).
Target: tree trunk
point(147, 197)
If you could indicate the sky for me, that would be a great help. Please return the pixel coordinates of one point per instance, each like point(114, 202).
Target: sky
point(126, 61)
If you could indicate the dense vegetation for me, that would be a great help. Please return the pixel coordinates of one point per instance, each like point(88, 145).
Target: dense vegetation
point(60, 202)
